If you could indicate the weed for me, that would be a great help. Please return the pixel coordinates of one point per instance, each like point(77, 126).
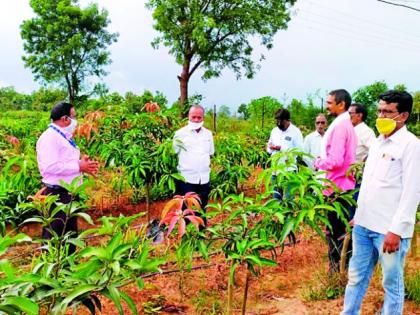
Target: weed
point(207, 302)
point(325, 287)
point(154, 305)
point(412, 287)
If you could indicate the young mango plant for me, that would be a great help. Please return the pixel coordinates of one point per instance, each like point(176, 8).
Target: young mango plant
point(55, 282)
point(253, 226)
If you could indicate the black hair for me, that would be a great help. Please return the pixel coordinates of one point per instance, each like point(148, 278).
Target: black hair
point(340, 96)
point(360, 109)
point(282, 114)
point(60, 109)
point(403, 99)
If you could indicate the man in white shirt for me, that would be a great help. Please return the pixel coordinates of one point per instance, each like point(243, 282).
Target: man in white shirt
point(283, 137)
point(365, 135)
point(312, 143)
point(194, 146)
point(387, 205)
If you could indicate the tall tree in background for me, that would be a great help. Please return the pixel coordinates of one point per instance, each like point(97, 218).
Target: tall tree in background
point(66, 44)
point(214, 34)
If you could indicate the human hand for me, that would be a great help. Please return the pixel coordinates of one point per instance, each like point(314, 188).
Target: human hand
point(89, 166)
point(351, 223)
point(274, 147)
point(391, 243)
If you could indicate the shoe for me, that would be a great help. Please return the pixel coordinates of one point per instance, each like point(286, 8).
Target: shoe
point(155, 232)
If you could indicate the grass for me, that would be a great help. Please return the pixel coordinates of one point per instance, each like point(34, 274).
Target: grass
point(325, 287)
point(412, 287)
point(207, 302)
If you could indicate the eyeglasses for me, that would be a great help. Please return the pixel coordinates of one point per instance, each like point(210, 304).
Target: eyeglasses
point(320, 122)
point(386, 112)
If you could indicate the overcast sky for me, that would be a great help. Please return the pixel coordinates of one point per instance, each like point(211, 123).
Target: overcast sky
point(328, 45)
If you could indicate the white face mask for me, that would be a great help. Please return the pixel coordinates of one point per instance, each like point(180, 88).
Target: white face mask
point(72, 127)
point(194, 125)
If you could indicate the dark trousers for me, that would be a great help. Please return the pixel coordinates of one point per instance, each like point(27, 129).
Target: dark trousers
point(61, 223)
point(335, 237)
point(202, 190)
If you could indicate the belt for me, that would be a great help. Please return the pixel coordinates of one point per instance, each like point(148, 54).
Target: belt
point(56, 187)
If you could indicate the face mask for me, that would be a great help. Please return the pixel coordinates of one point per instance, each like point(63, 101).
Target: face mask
point(281, 127)
point(386, 126)
point(72, 127)
point(194, 125)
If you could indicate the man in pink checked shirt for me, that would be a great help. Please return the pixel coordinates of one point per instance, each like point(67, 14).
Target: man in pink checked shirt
point(59, 159)
point(338, 152)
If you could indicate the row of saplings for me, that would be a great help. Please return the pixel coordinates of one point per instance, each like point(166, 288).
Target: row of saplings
point(115, 253)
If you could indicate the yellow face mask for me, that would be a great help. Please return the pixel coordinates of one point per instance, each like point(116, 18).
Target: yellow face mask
point(385, 126)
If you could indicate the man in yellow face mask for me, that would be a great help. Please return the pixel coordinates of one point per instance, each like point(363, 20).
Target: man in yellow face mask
point(386, 213)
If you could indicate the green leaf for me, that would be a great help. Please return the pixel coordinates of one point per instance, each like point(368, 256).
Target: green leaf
point(129, 302)
point(85, 217)
point(22, 303)
point(113, 294)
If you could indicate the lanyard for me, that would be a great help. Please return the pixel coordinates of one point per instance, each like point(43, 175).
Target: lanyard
point(71, 141)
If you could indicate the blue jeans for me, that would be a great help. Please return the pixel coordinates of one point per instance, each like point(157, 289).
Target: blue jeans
point(367, 250)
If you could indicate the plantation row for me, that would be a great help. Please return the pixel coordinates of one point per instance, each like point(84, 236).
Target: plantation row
point(136, 151)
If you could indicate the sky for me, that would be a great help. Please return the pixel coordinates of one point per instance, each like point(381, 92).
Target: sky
point(328, 45)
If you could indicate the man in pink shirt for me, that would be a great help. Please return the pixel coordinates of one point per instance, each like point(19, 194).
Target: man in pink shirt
point(59, 159)
point(338, 152)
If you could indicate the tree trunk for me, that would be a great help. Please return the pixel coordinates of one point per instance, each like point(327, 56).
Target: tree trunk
point(245, 293)
point(183, 86)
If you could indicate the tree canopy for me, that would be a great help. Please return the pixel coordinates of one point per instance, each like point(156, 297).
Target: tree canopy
point(66, 44)
point(213, 35)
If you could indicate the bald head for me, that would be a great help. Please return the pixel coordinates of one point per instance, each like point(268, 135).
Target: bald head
point(196, 113)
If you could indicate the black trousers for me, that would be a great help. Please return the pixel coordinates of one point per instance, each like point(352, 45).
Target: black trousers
point(61, 223)
point(335, 237)
point(202, 190)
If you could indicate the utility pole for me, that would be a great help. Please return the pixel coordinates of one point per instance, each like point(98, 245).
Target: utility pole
point(214, 118)
point(322, 104)
point(262, 115)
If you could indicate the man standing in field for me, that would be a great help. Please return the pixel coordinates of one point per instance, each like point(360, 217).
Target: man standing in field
point(365, 135)
point(338, 152)
point(283, 137)
point(59, 160)
point(387, 205)
point(312, 143)
point(194, 146)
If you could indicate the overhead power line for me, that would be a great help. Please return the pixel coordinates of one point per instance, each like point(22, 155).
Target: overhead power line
point(400, 5)
point(369, 22)
point(350, 26)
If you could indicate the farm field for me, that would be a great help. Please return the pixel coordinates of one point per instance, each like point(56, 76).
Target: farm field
point(206, 157)
point(278, 290)
point(117, 269)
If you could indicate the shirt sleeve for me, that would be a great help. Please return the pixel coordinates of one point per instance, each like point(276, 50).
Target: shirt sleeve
point(50, 160)
point(268, 143)
point(176, 142)
point(307, 149)
point(336, 147)
point(405, 216)
point(369, 138)
point(299, 140)
point(211, 149)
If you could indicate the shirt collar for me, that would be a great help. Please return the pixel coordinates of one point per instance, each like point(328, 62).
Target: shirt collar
point(67, 134)
point(397, 137)
point(342, 116)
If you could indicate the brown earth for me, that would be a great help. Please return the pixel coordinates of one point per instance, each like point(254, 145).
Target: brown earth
point(278, 290)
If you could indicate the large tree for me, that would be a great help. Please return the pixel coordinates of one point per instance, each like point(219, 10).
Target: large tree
point(66, 44)
point(214, 34)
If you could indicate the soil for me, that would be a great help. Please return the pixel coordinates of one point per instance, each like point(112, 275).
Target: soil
point(278, 290)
